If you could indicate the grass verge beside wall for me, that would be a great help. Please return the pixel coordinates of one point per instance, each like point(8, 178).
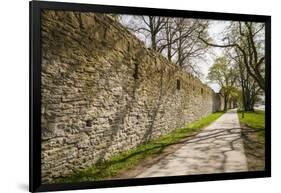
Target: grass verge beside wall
point(131, 158)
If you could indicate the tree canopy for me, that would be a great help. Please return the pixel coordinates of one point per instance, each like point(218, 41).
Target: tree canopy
point(239, 70)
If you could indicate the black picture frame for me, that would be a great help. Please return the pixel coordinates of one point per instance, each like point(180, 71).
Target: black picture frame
point(35, 8)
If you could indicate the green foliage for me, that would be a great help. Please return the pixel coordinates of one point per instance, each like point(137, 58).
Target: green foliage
point(255, 120)
point(226, 76)
point(222, 73)
point(218, 72)
point(129, 159)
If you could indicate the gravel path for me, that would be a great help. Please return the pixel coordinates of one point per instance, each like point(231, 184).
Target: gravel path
point(216, 149)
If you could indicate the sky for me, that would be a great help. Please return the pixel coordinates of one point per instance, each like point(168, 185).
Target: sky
point(215, 28)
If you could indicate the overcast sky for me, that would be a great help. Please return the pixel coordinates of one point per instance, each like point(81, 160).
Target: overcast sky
point(215, 29)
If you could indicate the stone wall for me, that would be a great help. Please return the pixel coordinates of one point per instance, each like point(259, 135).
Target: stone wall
point(103, 92)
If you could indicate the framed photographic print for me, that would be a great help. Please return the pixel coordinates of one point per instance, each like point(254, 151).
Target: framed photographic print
point(125, 96)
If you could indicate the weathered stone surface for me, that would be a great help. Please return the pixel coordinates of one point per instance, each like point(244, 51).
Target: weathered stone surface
point(94, 71)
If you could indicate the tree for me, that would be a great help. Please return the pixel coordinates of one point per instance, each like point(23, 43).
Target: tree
point(149, 26)
point(189, 49)
point(223, 74)
point(249, 87)
point(168, 38)
point(175, 38)
point(248, 39)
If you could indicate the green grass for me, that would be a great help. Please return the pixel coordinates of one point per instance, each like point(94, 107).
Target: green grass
point(129, 159)
point(254, 120)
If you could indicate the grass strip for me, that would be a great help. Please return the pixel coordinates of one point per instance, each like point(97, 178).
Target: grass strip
point(255, 120)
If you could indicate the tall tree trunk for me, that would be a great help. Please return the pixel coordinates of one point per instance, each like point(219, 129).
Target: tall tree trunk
point(225, 103)
point(153, 41)
point(243, 97)
point(169, 53)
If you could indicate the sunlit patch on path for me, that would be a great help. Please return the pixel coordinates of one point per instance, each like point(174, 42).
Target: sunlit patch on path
point(216, 149)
